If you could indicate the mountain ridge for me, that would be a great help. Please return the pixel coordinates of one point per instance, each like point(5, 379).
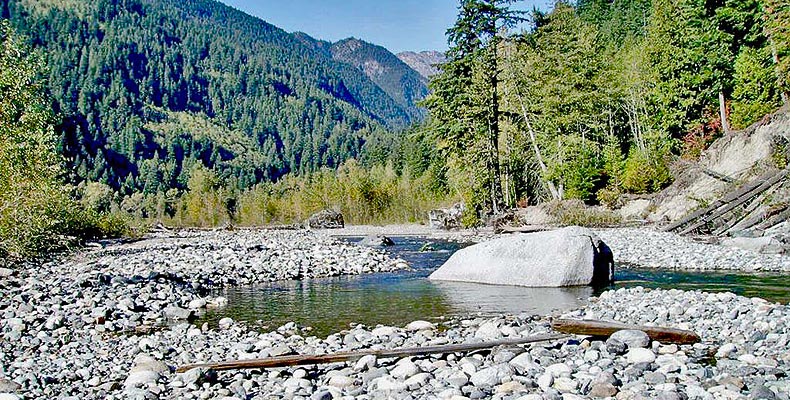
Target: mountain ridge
point(424, 62)
point(122, 71)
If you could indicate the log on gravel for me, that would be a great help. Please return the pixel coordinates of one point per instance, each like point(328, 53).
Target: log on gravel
point(605, 329)
point(288, 361)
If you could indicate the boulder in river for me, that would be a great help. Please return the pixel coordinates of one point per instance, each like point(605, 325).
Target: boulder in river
point(571, 256)
point(326, 219)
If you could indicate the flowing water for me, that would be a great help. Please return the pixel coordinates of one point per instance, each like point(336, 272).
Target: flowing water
point(331, 304)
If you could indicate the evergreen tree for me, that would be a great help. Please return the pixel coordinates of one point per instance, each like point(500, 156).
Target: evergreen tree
point(465, 103)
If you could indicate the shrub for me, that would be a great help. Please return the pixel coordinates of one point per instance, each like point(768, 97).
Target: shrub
point(647, 170)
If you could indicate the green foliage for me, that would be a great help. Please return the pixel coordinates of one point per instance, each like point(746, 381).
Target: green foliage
point(577, 165)
point(574, 212)
point(36, 211)
point(207, 202)
point(146, 89)
point(465, 103)
point(647, 169)
point(754, 93)
point(777, 13)
point(364, 196)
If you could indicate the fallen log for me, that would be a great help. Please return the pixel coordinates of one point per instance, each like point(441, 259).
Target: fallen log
point(288, 361)
point(727, 198)
point(738, 201)
point(604, 328)
point(775, 219)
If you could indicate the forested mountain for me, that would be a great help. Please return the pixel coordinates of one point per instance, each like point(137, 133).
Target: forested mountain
point(424, 62)
point(401, 82)
point(144, 90)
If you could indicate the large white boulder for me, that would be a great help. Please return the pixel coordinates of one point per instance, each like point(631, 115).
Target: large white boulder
point(571, 256)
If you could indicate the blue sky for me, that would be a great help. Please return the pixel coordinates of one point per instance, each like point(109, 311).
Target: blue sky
point(398, 25)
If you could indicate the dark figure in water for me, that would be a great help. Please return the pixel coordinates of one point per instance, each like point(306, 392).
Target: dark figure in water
point(603, 264)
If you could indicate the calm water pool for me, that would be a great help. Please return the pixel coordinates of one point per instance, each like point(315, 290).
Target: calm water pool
point(331, 304)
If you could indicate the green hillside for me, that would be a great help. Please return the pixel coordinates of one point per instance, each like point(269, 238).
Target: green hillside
point(145, 89)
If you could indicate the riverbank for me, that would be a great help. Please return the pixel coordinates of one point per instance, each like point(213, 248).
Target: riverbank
point(95, 326)
point(643, 247)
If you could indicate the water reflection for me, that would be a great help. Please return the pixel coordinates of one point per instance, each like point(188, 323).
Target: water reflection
point(468, 298)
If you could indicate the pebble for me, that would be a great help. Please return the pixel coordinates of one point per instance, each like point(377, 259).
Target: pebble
point(76, 324)
point(631, 338)
point(640, 355)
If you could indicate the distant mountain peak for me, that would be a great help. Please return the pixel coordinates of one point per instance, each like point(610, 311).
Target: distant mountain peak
point(423, 62)
point(384, 68)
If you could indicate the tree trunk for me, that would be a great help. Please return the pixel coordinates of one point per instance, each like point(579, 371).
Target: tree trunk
point(493, 132)
point(606, 328)
point(725, 125)
point(288, 361)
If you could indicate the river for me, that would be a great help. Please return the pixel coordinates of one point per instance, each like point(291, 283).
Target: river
point(331, 304)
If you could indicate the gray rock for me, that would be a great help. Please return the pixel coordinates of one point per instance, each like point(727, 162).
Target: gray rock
point(419, 326)
point(640, 355)
point(194, 376)
point(446, 218)
point(631, 338)
point(523, 363)
point(487, 377)
point(325, 219)
point(141, 378)
point(762, 392)
point(766, 245)
point(404, 370)
point(601, 390)
point(564, 257)
point(9, 386)
point(457, 379)
point(178, 313)
point(321, 395)
point(615, 346)
point(377, 240)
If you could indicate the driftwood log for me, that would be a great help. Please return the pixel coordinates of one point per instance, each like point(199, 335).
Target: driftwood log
point(288, 361)
point(739, 196)
point(604, 328)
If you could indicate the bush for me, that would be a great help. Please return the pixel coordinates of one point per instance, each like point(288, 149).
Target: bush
point(754, 94)
point(579, 167)
point(647, 170)
point(364, 196)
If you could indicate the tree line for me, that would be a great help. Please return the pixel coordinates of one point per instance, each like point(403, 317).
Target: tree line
point(595, 99)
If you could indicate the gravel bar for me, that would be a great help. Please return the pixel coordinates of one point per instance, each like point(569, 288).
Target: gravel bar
point(104, 325)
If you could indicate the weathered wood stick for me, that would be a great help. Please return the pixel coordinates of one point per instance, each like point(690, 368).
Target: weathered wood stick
point(604, 328)
point(288, 361)
point(738, 201)
point(523, 229)
point(733, 195)
point(775, 219)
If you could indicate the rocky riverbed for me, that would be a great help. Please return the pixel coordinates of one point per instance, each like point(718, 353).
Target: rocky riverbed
point(104, 324)
point(653, 249)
